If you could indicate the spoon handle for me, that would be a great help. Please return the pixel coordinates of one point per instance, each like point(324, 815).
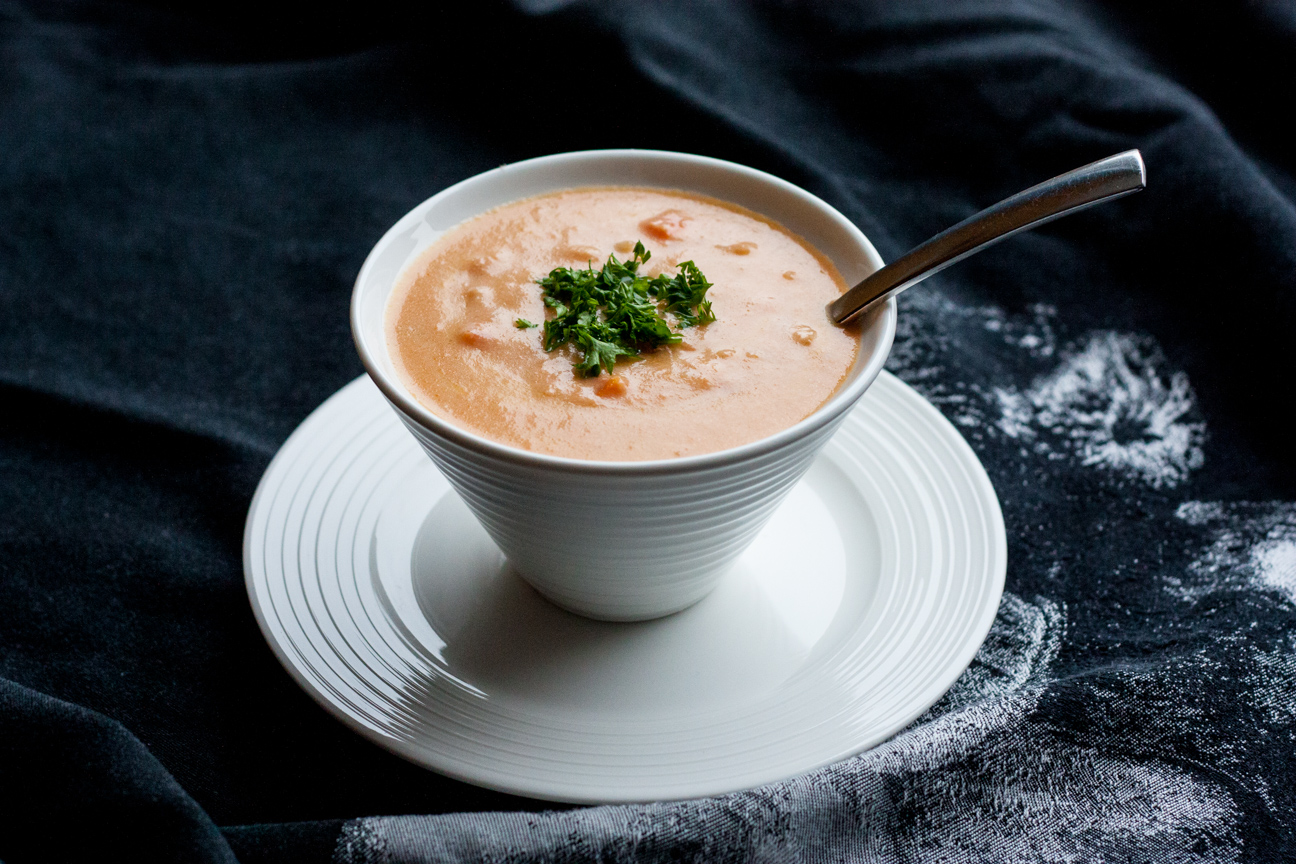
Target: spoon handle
point(1099, 181)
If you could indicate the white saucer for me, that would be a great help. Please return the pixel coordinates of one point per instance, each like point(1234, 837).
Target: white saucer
point(855, 609)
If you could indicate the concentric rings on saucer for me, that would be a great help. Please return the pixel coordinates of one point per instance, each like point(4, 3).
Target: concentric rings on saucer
point(331, 550)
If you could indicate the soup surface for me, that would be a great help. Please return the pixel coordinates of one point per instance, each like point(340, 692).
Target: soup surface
point(771, 357)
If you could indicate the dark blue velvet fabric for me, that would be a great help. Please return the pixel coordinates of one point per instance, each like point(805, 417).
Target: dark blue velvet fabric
point(186, 195)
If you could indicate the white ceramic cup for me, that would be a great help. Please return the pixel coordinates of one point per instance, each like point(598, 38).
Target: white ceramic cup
point(619, 541)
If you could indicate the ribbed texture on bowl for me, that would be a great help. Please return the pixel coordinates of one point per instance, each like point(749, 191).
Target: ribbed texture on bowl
point(621, 548)
point(620, 541)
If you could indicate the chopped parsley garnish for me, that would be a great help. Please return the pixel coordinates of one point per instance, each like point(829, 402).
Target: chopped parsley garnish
point(524, 324)
point(614, 312)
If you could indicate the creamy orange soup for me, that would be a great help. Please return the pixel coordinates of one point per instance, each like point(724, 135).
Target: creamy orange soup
point(771, 357)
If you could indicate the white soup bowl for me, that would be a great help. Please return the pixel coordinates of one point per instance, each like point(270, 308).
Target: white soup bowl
point(619, 541)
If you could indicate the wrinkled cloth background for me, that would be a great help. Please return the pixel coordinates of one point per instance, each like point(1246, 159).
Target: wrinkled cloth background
point(186, 197)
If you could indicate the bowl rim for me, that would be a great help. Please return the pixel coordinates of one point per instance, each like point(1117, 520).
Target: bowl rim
point(830, 411)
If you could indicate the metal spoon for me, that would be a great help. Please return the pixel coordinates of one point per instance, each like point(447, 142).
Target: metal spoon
point(1099, 181)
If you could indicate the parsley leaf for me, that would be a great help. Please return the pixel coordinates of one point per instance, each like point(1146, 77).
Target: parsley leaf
point(614, 312)
point(524, 324)
point(685, 295)
point(599, 354)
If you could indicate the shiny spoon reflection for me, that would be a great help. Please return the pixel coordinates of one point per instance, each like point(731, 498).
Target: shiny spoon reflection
point(1104, 180)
